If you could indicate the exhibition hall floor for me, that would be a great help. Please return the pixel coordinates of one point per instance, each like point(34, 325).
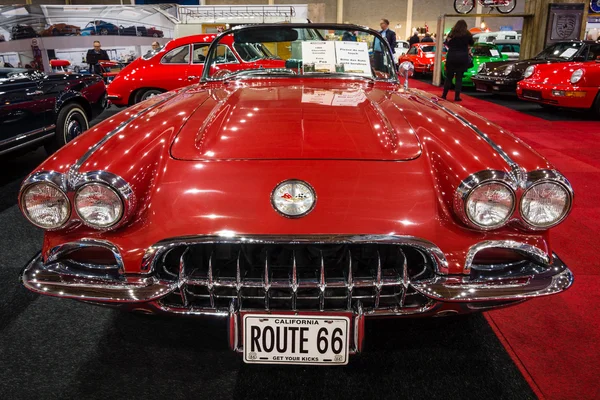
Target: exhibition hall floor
point(54, 348)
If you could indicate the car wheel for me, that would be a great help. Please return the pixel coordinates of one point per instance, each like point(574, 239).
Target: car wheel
point(71, 122)
point(104, 31)
point(138, 33)
point(77, 69)
point(155, 34)
point(147, 94)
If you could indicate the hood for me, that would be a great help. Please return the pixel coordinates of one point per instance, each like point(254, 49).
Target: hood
point(560, 74)
point(308, 120)
point(518, 67)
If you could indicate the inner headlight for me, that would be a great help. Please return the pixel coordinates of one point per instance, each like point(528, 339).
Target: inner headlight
point(576, 76)
point(545, 204)
point(529, 71)
point(490, 205)
point(508, 69)
point(45, 205)
point(481, 67)
point(98, 205)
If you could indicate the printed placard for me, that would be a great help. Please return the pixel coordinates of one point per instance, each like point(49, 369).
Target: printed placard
point(353, 58)
point(318, 54)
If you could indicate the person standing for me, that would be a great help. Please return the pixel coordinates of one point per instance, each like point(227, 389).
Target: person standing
point(427, 38)
point(94, 56)
point(414, 39)
point(378, 47)
point(457, 59)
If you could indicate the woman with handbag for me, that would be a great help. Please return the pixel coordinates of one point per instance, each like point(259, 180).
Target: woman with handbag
point(458, 59)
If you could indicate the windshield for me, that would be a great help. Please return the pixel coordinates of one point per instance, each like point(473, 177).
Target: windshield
point(428, 49)
point(314, 50)
point(485, 51)
point(560, 51)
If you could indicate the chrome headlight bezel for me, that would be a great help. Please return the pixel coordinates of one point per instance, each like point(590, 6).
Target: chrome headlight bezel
point(576, 76)
point(479, 180)
point(529, 71)
point(508, 70)
point(85, 220)
point(539, 177)
point(481, 68)
point(24, 209)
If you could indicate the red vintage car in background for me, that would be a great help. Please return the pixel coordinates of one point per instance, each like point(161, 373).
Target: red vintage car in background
point(422, 56)
point(181, 63)
point(568, 85)
point(296, 202)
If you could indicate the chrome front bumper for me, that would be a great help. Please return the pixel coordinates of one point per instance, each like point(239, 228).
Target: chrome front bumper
point(447, 293)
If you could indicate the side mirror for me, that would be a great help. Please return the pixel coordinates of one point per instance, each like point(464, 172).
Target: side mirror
point(406, 69)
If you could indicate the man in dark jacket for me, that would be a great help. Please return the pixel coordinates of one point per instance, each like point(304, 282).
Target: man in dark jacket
point(414, 39)
point(94, 56)
point(427, 38)
point(378, 48)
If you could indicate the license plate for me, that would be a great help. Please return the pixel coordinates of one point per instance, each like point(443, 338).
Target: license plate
point(481, 87)
point(289, 339)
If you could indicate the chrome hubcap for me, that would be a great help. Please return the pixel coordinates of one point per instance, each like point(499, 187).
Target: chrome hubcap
point(73, 129)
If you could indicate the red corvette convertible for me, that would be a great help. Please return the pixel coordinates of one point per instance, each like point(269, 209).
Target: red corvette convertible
point(569, 85)
point(422, 56)
point(296, 202)
point(180, 63)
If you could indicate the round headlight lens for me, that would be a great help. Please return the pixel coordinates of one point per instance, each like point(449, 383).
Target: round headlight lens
point(529, 71)
point(481, 67)
point(45, 205)
point(490, 204)
point(545, 204)
point(576, 76)
point(509, 69)
point(98, 205)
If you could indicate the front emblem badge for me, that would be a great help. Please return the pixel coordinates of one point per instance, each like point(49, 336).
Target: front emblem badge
point(293, 198)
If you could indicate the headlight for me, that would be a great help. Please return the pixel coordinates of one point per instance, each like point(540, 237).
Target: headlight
point(529, 71)
point(490, 205)
point(481, 67)
point(508, 69)
point(98, 205)
point(576, 76)
point(45, 205)
point(545, 204)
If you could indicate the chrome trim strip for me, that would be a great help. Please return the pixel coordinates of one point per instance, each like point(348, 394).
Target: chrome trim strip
point(74, 169)
point(517, 172)
point(457, 288)
point(24, 144)
point(536, 253)
point(28, 134)
point(439, 259)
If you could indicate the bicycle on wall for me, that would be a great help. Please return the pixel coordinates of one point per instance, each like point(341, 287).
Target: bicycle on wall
point(503, 6)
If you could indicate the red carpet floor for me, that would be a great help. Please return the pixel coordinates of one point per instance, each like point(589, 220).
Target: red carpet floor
point(555, 341)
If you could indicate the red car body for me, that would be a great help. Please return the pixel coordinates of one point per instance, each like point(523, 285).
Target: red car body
point(422, 55)
point(197, 171)
point(154, 75)
point(551, 84)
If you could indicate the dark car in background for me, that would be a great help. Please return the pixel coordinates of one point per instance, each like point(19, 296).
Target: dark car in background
point(23, 32)
point(154, 32)
point(133, 31)
point(51, 110)
point(502, 76)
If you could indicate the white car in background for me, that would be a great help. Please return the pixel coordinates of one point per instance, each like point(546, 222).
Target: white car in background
point(491, 37)
point(402, 47)
point(511, 48)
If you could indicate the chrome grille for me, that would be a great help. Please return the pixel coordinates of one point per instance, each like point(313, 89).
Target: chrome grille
point(281, 276)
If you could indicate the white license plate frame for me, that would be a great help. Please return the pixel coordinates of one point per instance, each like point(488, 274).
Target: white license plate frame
point(282, 321)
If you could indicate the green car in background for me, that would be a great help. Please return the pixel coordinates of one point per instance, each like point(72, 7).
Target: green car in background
point(482, 53)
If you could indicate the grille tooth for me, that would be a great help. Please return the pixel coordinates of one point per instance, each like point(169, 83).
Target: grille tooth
point(295, 276)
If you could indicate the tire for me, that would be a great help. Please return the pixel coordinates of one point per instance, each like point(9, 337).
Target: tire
point(71, 122)
point(146, 94)
point(155, 34)
point(464, 6)
point(104, 31)
point(507, 9)
point(596, 105)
